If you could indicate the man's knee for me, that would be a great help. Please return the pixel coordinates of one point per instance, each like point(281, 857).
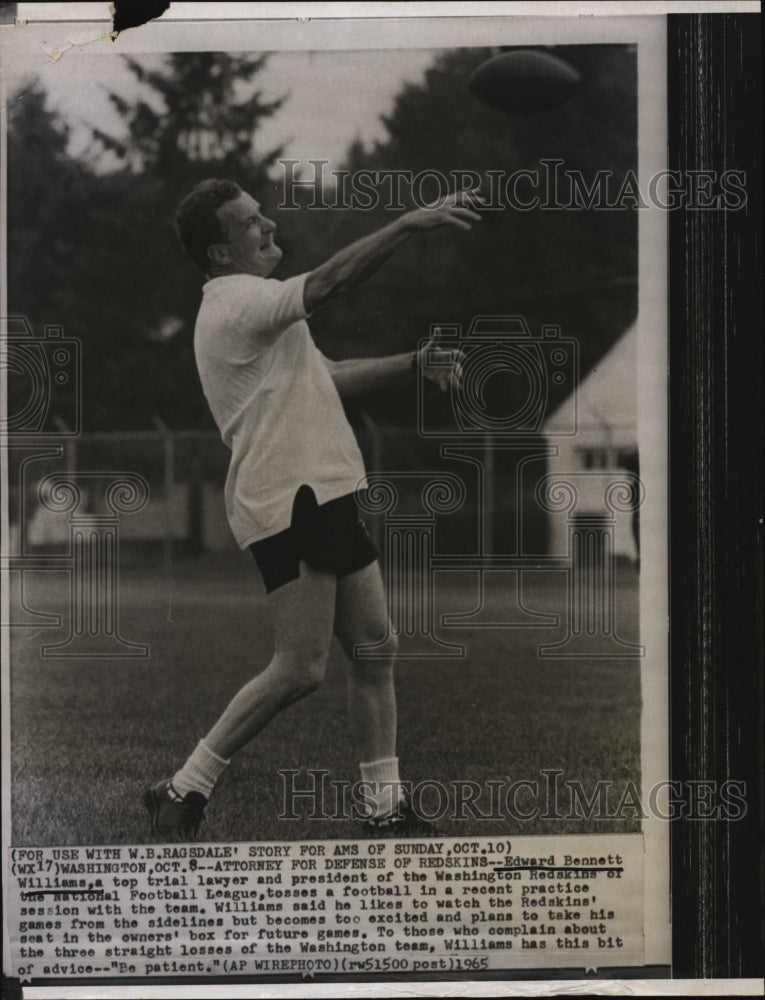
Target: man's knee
point(302, 672)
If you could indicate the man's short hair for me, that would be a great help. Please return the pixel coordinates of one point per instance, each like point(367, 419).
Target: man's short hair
point(196, 221)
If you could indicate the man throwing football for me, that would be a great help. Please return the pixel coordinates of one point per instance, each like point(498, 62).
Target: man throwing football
point(295, 467)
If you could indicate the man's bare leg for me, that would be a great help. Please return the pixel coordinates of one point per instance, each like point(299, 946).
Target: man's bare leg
point(302, 612)
point(361, 619)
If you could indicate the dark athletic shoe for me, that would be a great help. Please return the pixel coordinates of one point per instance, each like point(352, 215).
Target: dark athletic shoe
point(403, 823)
point(172, 813)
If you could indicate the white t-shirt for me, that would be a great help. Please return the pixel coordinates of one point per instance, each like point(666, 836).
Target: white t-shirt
point(273, 400)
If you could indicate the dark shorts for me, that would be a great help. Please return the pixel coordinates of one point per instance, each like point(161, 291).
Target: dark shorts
point(331, 537)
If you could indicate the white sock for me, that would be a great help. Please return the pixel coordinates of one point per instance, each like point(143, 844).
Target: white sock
point(200, 772)
point(385, 795)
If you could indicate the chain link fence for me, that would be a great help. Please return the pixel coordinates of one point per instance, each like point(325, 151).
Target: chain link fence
point(185, 472)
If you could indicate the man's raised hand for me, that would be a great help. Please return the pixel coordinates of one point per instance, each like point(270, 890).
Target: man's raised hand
point(453, 210)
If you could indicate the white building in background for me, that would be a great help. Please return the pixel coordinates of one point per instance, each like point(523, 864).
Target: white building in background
point(606, 442)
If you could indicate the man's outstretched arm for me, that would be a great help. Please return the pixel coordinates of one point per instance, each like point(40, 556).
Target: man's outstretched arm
point(358, 376)
point(357, 262)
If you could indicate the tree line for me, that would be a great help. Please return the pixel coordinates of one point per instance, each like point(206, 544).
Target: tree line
point(93, 249)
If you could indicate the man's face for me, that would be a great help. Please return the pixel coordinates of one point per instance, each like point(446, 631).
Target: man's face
point(250, 247)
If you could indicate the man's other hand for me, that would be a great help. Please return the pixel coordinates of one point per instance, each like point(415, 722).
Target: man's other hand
point(439, 363)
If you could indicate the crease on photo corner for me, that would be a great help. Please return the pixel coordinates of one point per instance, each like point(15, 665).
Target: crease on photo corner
point(55, 54)
point(123, 16)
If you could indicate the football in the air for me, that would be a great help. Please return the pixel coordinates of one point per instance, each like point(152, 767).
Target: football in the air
point(523, 81)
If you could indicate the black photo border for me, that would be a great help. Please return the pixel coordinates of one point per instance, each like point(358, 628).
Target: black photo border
point(716, 495)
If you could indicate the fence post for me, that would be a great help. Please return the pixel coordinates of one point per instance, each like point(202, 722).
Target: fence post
point(168, 469)
point(196, 541)
point(70, 445)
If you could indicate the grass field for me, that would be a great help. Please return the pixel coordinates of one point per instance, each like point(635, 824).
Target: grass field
point(88, 736)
